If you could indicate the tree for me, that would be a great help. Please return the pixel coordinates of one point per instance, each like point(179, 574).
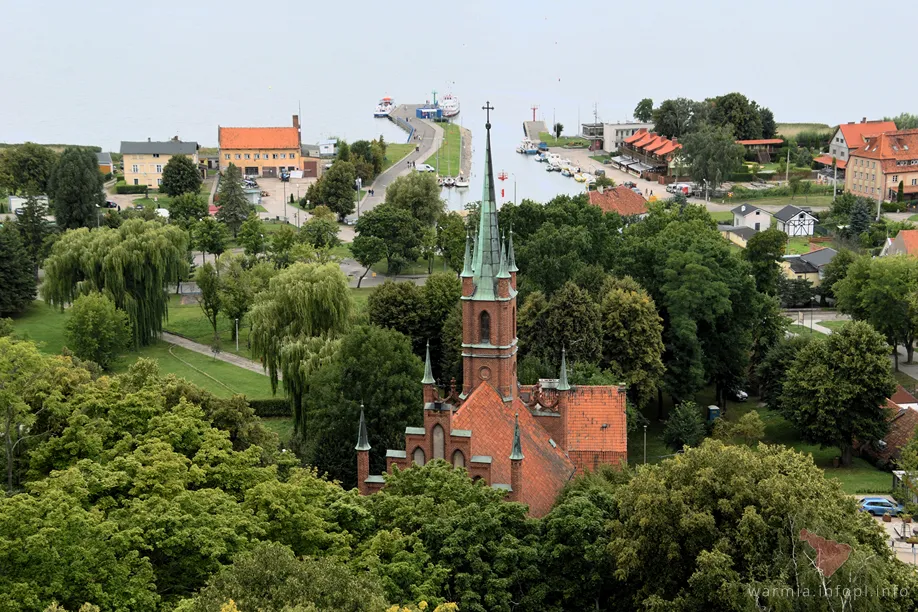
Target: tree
point(419, 194)
point(27, 168)
point(209, 236)
point(571, 321)
point(451, 235)
point(96, 330)
point(17, 272)
point(399, 306)
point(685, 427)
point(835, 391)
point(338, 188)
point(769, 127)
point(238, 287)
point(712, 154)
point(132, 264)
point(252, 236)
point(344, 151)
point(805, 188)
point(398, 229)
point(180, 175)
point(900, 195)
point(794, 185)
point(904, 121)
point(281, 248)
point(367, 250)
point(860, 218)
point(674, 117)
point(632, 342)
point(737, 110)
point(188, 207)
point(764, 251)
point(208, 281)
point(35, 231)
point(644, 110)
point(320, 232)
point(836, 270)
point(558, 127)
point(234, 206)
point(750, 428)
point(20, 368)
point(75, 189)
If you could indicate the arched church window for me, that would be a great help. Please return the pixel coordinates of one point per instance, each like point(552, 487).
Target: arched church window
point(485, 328)
point(418, 456)
point(439, 443)
point(458, 459)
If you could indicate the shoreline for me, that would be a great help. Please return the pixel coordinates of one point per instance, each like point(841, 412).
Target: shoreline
point(466, 168)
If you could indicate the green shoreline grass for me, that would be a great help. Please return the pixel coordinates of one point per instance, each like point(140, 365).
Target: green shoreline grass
point(449, 151)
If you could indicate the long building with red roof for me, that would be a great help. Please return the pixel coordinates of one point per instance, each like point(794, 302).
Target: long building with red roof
point(886, 160)
point(647, 154)
point(526, 440)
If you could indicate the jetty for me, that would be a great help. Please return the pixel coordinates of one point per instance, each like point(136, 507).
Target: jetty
point(532, 129)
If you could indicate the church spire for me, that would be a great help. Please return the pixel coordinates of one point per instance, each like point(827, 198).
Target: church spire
point(467, 259)
point(562, 380)
point(487, 244)
point(516, 454)
point(511, 256)
point(503, 272)
point(428, 372)
point(363, 443)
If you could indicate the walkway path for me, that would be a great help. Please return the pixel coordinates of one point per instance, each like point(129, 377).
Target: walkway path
point(203, 349)
point(431, 136)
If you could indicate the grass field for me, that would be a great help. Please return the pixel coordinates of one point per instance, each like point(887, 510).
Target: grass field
point(797, 245)
point(721, 216)
point(551, 141)
point(396, 153)
point(449, 151)
point(792, 129)
point(833, 325)
point(282, 426)
point(803, 330)
point(601, 158)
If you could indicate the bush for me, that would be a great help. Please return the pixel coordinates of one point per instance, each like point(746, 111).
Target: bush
point(685, 426)
point(274, 407)
point(125, 188)
point(891, 207)
point(107, 177)
point(96, 330)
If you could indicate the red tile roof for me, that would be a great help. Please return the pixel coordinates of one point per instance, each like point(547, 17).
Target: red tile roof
point(545, 467)
point(647, 139)
point(636, 136)
point(620, 200)
point(596, 419)
point(669, 147)
point(891, 147)
point(909, 241)
point(901, 396)
point(856, 133)
point(902, 425)
point(761, 141)
point(826, 160)
point(259, 138)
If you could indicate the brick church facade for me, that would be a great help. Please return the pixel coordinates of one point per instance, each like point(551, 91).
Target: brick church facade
point(527, 440)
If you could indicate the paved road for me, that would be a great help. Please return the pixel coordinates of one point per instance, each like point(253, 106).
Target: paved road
point(430, 137)
point(203, 349)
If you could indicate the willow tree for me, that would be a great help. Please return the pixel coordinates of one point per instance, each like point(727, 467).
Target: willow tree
point(296, 323)
point(132, 264)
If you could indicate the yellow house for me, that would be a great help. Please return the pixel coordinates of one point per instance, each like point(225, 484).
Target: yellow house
point(261, 151)
point(876, 169)
point(144, 161)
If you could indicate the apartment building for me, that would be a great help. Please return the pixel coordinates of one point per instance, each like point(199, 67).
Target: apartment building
point(261, 151)
point(876, 169)
point(144, 161)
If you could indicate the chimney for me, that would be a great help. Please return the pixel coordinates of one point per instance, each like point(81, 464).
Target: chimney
point(296, 121)
point(743, 209)
point(675, 140)
point(864, 120)
point(148, 139)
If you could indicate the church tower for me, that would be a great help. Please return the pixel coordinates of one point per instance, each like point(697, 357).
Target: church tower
point(489, 342)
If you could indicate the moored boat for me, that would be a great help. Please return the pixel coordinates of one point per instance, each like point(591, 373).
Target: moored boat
point(385, 107)
point(449, 105)
point(462, 182)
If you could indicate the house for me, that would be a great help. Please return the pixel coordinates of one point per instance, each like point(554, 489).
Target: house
point(14, 203)
point(310, 162)
point(614, 134)
point(106, 165)
point(621, 200)
point(737, 235)
point(526, 440)
point(648, 155)
point(261, 151)
point(144, 161)
point(765, 148)
point(852, 136)
point(886, 160)
point(795, 221)
point(808, 266)
point(905, 243)
point(902, 415)
point(747, 215)
point(328, 148)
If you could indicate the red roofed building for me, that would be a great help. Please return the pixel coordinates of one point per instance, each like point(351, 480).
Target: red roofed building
point(526, 440)
point(902, 413)
point(887, 159)
point(261, 151)
point(764, 147)
point(621, 200)
point(905, 243)
point(647, 154)
point(852, 136)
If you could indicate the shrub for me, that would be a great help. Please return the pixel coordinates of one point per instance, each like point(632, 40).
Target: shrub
point(274, 407)
point(96, 330)
point(125, 188)
point(685, 426)
point(891, 207)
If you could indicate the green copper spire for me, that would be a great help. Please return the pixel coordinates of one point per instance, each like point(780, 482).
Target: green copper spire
point(503, 272)
point(517, 453)
point(363, 444)
point(487, 243)
point(562, 380)
point(428, 373)
point(511, 256)
point(467, 259)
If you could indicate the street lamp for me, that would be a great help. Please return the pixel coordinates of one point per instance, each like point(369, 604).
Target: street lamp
point(285, 200)
point(514, 187)
point(359, 183)
point(645, 444)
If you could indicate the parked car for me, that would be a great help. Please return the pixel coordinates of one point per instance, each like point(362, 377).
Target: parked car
point(878, 506)
point(424, 168)
point(111, 204)
point(138, 207)
point(629, 184)
point(739, 395)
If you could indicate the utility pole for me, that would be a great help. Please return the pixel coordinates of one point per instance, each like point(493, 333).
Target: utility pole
point(787, 167)
point(835, 179)
point(237, 335)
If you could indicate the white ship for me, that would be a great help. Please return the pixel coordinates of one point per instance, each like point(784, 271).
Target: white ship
point(385, 106)
point(449, 104)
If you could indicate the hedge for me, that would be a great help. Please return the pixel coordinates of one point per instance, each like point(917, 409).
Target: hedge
point(123, 188)
point(274, 407)
point(892, 207)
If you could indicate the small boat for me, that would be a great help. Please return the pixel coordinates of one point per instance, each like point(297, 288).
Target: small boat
point(565, 171)
point(588, 178)
point(439, 181)
point(527, 147)
point(385, 106)
point(449, 105)
point(541, 157)
point(543, 146)
point(579, 177)
point(449, 182)
point(462, 182)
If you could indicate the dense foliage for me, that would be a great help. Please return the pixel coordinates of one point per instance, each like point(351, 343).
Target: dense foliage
point(180, 175)
point(75, 189)
point(17, 273)
point(96, 330)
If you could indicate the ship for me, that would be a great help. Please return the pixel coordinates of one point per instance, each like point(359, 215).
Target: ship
point(385, 106)
point(449, 105)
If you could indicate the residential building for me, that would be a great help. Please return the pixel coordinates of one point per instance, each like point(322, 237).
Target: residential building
point(737, 235)
point(328, 148)
point(106, 165)
point(261, 151)
point(648, 155)
point(526, 440)
point(876, 169)
point(614, 134)
point(902, 416)
point(905, 243)
point(765, 148)
point(808, 266)
point(795, 221)
point(747, 215)
point(144, 161)
point(621, 200)
point(852, 136)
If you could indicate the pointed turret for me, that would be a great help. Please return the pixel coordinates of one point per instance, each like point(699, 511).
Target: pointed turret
point(503, 272)
point(428, 372)
point(516, 464)
point(467, 259)
point(487, 243)
point(363, 443)
point(511, 256)
point(516, 454)
point(563, 385)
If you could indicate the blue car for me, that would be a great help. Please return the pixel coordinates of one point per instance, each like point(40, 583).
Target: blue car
point(878, 506)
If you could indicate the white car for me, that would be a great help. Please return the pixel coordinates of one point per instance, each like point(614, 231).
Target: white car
point(424, 168)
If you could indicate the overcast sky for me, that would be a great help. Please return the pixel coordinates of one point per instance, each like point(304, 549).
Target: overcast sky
point(101, 72)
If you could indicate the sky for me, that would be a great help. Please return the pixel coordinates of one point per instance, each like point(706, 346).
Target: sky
point(101, 72)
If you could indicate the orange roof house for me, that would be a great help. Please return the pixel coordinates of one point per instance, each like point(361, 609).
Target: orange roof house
point(885, 160)
point(905, 243)
point(902, 414)
point(621, 200)
point(849, 137)
point(526, 440)
point(259, 138)
point(261, 151)
point(645, 153)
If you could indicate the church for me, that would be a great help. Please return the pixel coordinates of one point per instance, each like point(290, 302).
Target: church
point(528, 440)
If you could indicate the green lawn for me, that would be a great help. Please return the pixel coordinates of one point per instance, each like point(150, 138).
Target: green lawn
point(833, 325)
point(803, 330)
point(551, 141)
point(449, 151)
point(415, 267)
point(798, 245)
point(396, 153)
point(282, 426)
point(723, 215)
point(813, 200)
point(601, 158)
point(792, 129)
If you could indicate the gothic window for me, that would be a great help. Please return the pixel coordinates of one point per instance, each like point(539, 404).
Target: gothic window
point(418, 456)
point(458, 459)
point(484, 328)
point(439, 443)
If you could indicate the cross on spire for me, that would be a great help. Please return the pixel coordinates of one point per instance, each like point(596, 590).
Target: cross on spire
point(488, 108)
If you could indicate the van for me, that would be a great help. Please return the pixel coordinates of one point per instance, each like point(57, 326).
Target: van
point(424, 168)
point(683, 188)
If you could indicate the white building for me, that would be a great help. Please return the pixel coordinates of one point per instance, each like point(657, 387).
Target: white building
point(613, 134)
point(795, 221)
point(747, 215)
point(328, 148)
